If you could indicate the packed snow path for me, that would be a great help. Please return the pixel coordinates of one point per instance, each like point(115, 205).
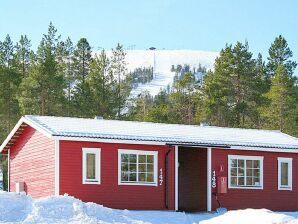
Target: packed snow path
point(19, 208)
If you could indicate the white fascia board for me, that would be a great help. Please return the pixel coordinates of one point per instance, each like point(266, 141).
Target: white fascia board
point(38, 128)
point(16, 127)
point(263, 149)
point(104, 140)
point(57, 167)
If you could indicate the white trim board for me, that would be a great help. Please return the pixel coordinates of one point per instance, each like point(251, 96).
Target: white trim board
point(176, 178)
point(8, 171)
point(138, 152)
point(97, 153)
point(105, 140)
point(290, 173)
point(209, 177)
point(262, 149)
point(57, 167)
point(244, 157)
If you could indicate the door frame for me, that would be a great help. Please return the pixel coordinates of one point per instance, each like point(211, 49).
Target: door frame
point(209, 176)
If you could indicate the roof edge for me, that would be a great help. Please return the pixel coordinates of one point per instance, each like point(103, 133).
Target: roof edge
point(24, 119)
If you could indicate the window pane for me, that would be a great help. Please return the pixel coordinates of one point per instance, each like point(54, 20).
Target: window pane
point(150, 159)
point(90, 165)
point(142, 167)
point(284, 174)
point(149, 167)
point(142, 158)
point(142, 177)
point(132, 177)
point(240, 172)
point(234, 181)
point(249, 172)
point(249, 163)
point(234, 163)
point(124, 176)
point(256, 172)
point(133, 167)
point(132, 158)
point(249, 181)
point(124, 157)
point(256, 164)
point(233, 171)
point(240, 181)
point(256, 182)
point(241, 163)
point(150, 177)
point(124, 166)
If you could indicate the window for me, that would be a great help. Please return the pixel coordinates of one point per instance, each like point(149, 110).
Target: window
point(284, 173)
point(245, 172)
point(136, 167)
point(91, 165)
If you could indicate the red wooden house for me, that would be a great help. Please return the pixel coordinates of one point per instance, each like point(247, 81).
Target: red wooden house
point(139, 165)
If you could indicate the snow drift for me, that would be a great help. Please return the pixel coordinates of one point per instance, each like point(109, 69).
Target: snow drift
point(20, 208)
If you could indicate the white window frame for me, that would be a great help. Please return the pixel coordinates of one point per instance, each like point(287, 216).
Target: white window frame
point(97, 152)
point(290, 176)
point(138, 152)
point(260, 158)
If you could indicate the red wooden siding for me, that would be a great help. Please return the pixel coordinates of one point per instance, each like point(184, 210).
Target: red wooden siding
point(32, 160)
point(109, 193)
point(270, 197)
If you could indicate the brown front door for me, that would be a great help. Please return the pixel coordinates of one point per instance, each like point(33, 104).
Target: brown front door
point(192, 179)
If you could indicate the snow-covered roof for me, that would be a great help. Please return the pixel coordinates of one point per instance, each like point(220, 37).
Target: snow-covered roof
point(165, 133)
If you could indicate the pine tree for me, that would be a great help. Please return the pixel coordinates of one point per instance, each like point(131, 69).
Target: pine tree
point(42, 91)
point(183, 100)
point(281, 111)
point(119, 70)
point(82, 59)
point(9, 82)
point(232, 91)
point(23, 53)
point(101, 84)
point(217, 91)
point(160, 112)
point(65, 58)
point(82, 95)
point(280, 54)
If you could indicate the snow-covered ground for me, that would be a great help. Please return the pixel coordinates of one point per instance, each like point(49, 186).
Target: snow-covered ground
point(162, 61)
point(19, 208)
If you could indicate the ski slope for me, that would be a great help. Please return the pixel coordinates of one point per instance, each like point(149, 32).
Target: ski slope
point(161, 61)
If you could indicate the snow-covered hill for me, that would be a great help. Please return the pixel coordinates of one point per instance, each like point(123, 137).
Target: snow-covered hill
point(161, 61)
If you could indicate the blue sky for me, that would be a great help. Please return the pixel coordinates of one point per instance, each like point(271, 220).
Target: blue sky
point(170, 24)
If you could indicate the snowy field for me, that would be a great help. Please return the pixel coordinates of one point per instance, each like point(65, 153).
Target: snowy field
point(16, 208)
point(162, 60)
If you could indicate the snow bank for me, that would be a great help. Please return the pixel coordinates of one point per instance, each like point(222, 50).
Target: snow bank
point(19, 208)
point(251, 216)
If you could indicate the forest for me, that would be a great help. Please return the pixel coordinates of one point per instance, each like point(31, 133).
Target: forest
point(62, 78)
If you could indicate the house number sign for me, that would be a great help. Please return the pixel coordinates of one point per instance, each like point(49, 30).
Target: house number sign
point(213, 179)
point(160, 177)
